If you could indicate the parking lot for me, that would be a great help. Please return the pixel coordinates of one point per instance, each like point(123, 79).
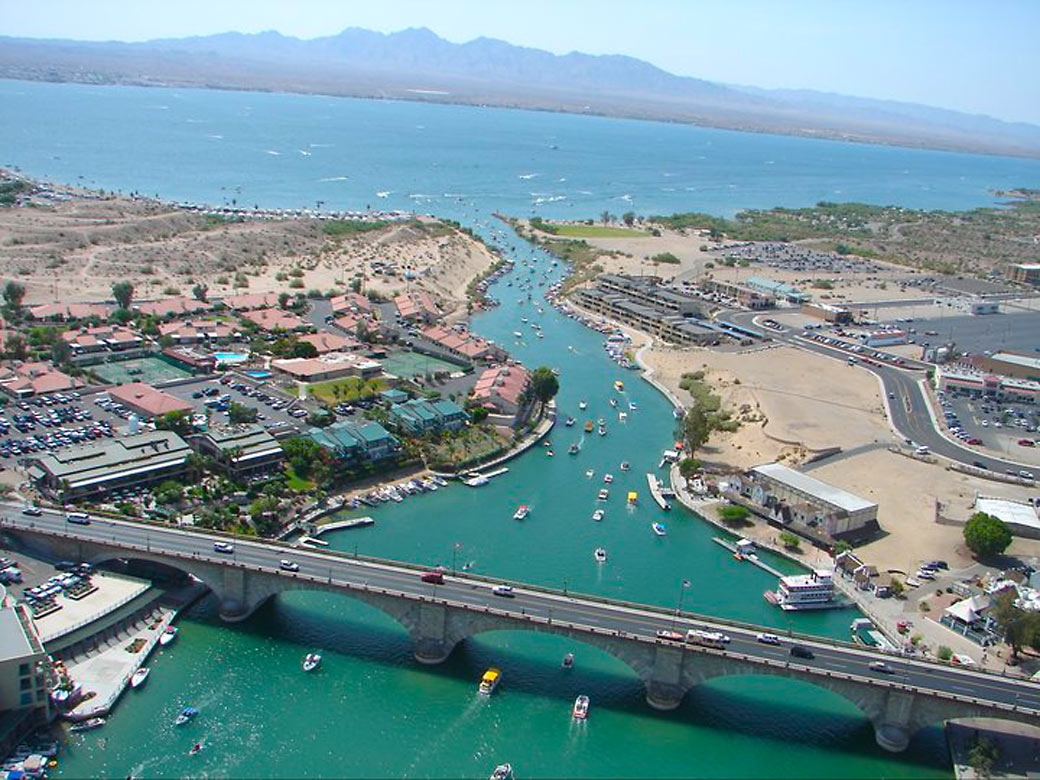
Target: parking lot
point(1004, 428)
point(274, 407)
point(51, 423)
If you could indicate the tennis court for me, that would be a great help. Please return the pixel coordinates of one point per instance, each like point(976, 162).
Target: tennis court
point(409, 364)
point(150, 370)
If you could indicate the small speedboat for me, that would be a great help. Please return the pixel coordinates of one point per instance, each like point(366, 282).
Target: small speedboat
point(580, 711)
point(603, 495)
point(573, 449)
point(522, 511)
point(503, 772)
point(598, 515)
point(608, 478)
point(582, 405)
point(632, 406)
point(139, 677)
point(568, 661)
point(613, 402)
point(195, 749)
point(625, 465)
point(659, 528)
point(489, 681)
point(603, 430)
point(168, 636)
point(87, 725)
point(600, 555)
point(311, 662)
point(589, 474)
point(589, 426)
point(186, 715)
point(569, 422)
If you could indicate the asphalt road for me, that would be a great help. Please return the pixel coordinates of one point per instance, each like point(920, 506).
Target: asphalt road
point(908, 409)
point(527, 604)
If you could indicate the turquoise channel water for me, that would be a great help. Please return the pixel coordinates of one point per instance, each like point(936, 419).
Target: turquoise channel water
point(371, 711)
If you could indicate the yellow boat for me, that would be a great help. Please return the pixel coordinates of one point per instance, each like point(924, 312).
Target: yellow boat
point(619, 386)
point(489, 681)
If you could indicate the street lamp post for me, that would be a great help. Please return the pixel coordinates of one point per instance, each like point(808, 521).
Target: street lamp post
point(454, 553)
point(683, 586)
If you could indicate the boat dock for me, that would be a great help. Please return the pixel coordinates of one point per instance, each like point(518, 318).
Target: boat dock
point(356, 522)
point(656, 491)
point(753, 558)
point(310, 541)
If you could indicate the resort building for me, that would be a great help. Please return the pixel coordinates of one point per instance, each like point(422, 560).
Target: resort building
point(502, 391)
point(246, 301)
point(173, 307)
point(416, 307)
point(461, 344)
point(243, 451)
point(24, 702)
point(649, 291)
point(966, 380)
point(325, 342)
point(779, 290)
point(351, 303)
point(64, 312)
point(839, 315)
point(673, 328)
point(1010, 364)
point(1020, 517)
point(147, 402)
point(794, 498)
point(273, 319)
point(333, 365)
point(200, 331)
point(742, 294)
point(885, 338)
point(1026, 273)
point(101, 338)
point(351, 442)
point(419, 417)
point(89, 471)
point(23, 380)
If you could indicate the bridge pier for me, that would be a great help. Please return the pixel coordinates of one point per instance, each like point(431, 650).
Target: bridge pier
point(665, 686)
point(432, 645)
point(237, 592)
point(892, 723)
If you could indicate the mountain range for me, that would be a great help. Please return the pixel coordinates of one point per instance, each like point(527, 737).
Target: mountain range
point(416, 64)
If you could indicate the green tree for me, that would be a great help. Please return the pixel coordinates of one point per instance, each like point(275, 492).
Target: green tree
point(240, 413)
point(982, 756)
point(896, 588)
point(544, 385)
point(178, 421)
point(283, 300)
point(629, 218)
point(14, 293)
point(689, 467)
point(1018, 627)
point(304, 349)
point(986, 535)
point(734, 514)
point(696, 428)
point(14, 347)
point(789, 540)
point(123, 292)
point(200, 291)
point(944, 653)
point(169, 493)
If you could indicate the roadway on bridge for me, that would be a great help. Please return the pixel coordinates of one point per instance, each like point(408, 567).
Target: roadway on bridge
point(464, 592)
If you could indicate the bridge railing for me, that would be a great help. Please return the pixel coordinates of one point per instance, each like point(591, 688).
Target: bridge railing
point(470, 576)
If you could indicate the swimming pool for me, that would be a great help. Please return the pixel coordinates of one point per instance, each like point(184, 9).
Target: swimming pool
point(231, 357)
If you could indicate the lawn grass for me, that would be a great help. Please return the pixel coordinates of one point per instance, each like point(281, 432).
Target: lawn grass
point(349, 388)
point(296, 483)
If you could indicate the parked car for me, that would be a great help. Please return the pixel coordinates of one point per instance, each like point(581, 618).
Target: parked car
point(223, 547)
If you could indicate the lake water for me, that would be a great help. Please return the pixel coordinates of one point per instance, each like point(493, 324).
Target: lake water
point(371, 710)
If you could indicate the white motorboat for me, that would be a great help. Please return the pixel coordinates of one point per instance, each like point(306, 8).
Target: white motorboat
point(632, 405)
point(613, 402)
point(139, 677)
point(311, 662)
point(522, 511)
point(589, 474)
point(580, 711)
point(568, 661)
point(573, 449)
point(622, 417)
point(625, 465)
point(582, 405)
point(168, 635)
point(503, 772)
point(608, 478)
point(659, 528)
point(600, 555)
point(598, 515)
point(185, 716)
point(87, 725)
point(603, 495)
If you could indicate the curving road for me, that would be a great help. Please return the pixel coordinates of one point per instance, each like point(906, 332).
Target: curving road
point(588, 613)
point(906, 401)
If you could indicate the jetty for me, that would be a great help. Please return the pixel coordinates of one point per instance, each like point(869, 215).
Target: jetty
point(354, 522)
point(656, 490)
point(753, 558)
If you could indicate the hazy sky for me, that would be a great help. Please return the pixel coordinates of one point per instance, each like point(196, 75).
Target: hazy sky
point(981, 56)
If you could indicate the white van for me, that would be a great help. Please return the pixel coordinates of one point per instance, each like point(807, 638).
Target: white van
point(922, 450)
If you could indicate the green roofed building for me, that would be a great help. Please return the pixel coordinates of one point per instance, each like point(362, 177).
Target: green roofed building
point(243, 451)
point(394, 396)
point(89, 471)
point(351, 442)
point(420, 417)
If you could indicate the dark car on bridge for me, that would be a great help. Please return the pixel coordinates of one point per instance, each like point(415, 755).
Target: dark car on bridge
point(802, 652)
point(436, 577)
